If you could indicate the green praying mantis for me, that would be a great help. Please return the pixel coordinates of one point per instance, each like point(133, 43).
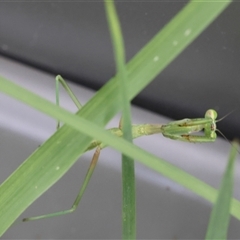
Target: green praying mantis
point(182, 130)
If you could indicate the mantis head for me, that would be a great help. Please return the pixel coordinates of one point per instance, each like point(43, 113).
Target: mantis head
point(211, 114)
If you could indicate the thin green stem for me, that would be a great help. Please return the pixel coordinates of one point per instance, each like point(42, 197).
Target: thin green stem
point(128, 173)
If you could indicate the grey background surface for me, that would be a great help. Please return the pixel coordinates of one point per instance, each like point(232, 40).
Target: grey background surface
point(71, 38)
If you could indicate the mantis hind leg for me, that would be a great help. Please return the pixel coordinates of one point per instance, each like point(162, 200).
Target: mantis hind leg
point(59, 79)
point(80, 194)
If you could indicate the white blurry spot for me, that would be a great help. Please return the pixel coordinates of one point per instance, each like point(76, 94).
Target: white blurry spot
point(187, 32)
point(156, 58)
point(57, 168)
point(36, 187)
point(4, 47)
point(175, 43)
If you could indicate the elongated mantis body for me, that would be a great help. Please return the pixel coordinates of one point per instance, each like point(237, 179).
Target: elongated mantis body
point(182, 130)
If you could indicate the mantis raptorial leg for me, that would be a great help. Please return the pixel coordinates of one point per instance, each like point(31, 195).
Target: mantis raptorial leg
point(182, 130)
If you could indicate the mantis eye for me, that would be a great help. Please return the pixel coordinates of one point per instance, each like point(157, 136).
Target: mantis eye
point(211, 114)
point(213, 135)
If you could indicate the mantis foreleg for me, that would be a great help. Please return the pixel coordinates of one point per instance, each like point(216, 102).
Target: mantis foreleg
point(182, 129)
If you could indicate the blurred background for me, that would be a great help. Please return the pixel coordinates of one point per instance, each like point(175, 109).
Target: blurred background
point(39, 40)
point(72, 39)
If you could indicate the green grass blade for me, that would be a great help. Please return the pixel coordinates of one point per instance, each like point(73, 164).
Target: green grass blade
point(41, 170)
point(219, 219)
point(128, 173)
